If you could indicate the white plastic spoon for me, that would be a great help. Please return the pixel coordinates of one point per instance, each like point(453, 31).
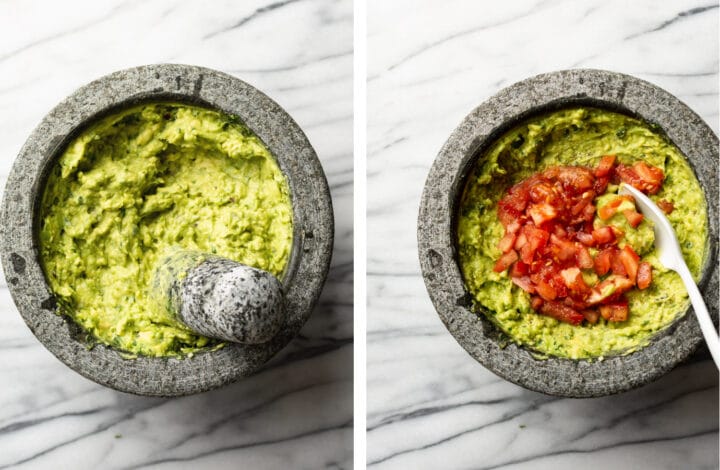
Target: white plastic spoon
point(671, 257)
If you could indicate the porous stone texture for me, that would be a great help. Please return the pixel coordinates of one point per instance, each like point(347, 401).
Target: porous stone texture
point(302, 280)
point(436, 242)
point(231, 301)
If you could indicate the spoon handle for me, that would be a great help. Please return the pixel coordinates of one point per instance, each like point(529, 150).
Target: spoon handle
point(701, 312)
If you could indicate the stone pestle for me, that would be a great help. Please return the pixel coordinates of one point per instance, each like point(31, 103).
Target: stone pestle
point(220, 298)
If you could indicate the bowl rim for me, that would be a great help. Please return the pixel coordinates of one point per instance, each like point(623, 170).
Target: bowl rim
point(305, 273)
point(436, 241)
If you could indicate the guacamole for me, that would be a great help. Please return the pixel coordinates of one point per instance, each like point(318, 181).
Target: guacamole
point(579, 136)
point(137, 186)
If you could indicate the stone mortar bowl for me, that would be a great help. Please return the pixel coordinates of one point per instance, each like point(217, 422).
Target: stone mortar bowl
point(312, 226)
point(436, 239)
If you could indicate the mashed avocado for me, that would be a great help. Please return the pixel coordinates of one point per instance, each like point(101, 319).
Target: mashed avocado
point(140, 184)
point(579, 137)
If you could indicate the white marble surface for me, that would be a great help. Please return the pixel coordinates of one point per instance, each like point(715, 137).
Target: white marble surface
point(430, 405)
point(297, 412)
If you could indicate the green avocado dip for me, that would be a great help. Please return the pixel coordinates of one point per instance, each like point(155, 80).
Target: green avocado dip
point(579, 136)
point(137, 186)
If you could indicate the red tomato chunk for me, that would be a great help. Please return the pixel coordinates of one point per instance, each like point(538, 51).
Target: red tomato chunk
point(548, 220)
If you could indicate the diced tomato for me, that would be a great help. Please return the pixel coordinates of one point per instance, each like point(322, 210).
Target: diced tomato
point(517, 198)
point(617, 232)
point(573, 280)
point(603, 235)
point(524, 283)
point(536, 240)
point(591, 316)
point(549, 225)
point(561, 312)
point(644, 275)
point(615, 311)
point(648, 173)
point(507, 242)
point(585, 238)
point(559, 231)
point(583, 201)
point(633, 217)
point(506, 214)
point(545, 290)
point(588, 213)
point(511, 207)
point(630, 261)
point(543, 192)
point(603, 261)
point(505, 261)
point(601, 185)
point(605, 166)
point(616, 265)
point(513, 227)
point(562, 249)
point(542, 212)
point(583, 258)
point(575, 179)
point(519, 269)
point(609, 209)
point(666, 206)
point(642, 176)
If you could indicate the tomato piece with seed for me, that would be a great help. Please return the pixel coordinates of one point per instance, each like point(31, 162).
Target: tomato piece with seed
point(563, 250)
point(536, 240)
point(573, 280)
point(505, 261)
point(607, 163)
point(575, 179)
point(543, 192)
point(542, 213)
point(644, 275)
point(642, 176)
point(583, 258)
point(562, 312)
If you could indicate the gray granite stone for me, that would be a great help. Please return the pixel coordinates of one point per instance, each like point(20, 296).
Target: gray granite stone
point(312, 226)
point(436, 245)
point(223, 299)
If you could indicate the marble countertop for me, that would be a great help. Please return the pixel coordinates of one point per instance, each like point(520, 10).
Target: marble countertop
point(430, 405)
point(295, 413)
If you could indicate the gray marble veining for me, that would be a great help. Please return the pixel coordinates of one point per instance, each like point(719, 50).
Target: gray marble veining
point(297, 411)
point(430, 405)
